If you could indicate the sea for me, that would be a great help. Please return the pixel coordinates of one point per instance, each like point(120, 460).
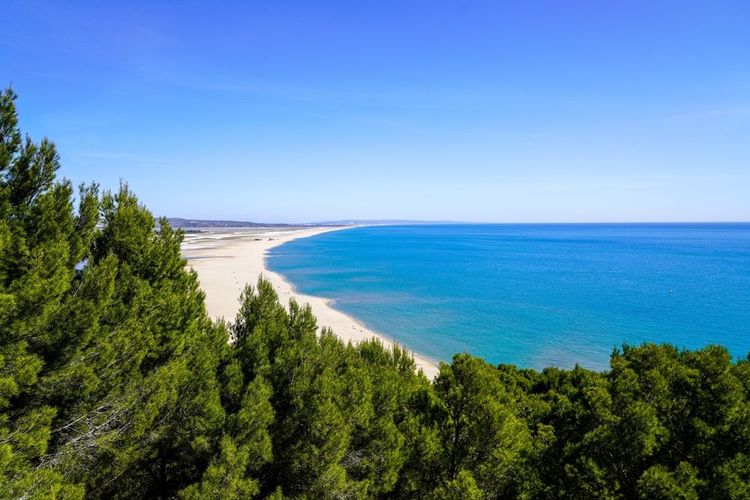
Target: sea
point(534, 295)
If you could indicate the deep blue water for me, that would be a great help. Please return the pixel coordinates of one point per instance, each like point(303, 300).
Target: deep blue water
point(534, 294)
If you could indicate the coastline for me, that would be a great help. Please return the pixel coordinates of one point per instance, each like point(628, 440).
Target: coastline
point(226, 259)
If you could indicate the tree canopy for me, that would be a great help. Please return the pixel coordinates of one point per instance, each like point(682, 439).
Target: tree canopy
point(115, 383)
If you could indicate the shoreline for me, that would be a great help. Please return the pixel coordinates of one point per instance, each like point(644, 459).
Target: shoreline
point(228, 258)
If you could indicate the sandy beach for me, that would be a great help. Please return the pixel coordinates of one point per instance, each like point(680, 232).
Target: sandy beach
point(227, 259)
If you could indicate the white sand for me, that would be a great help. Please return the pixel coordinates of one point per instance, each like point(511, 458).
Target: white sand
point(227, 259)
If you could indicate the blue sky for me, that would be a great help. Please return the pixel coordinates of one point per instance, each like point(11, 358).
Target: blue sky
point(484, 111)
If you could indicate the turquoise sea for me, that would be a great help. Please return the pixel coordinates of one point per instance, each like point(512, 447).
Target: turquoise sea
point(534, 294)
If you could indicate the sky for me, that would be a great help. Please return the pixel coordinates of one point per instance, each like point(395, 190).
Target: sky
point(497, 111)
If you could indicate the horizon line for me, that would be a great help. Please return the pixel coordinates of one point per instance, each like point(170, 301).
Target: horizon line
point(442, 221)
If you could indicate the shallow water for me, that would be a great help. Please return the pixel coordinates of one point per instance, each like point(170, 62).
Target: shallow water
point(534, 294)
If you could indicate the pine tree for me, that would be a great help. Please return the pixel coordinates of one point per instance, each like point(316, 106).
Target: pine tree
point(39, 247)
point(107, 357)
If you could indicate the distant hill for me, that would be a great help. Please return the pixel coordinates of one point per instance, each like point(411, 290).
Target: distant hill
point(203, 223)
point(183, 223)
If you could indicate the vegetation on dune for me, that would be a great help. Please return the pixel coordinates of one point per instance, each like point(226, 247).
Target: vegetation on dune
point(115, 383)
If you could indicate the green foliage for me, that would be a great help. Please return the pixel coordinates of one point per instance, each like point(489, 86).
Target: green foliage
point(463, 487)
point(115, 383)
point(107, 358)
point(658, 482)
point(476, 429)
